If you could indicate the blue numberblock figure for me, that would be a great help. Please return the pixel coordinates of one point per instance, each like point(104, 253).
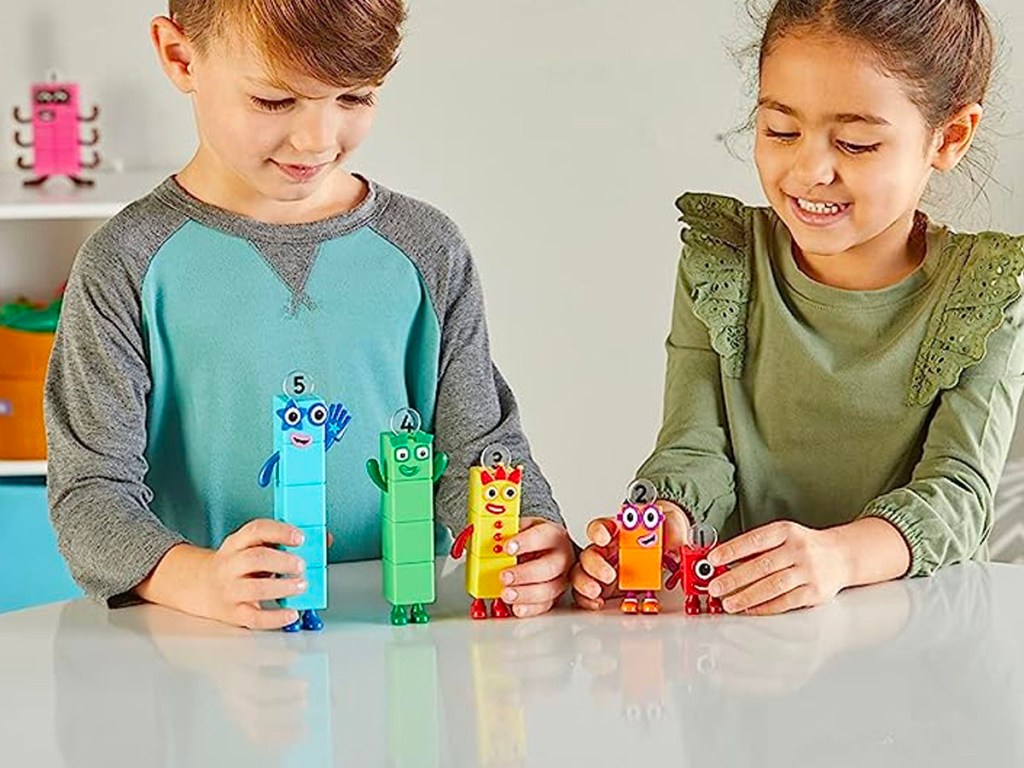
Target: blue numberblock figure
point(305, 429)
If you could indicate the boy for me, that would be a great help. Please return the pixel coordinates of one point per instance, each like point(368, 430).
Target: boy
point(184, 314)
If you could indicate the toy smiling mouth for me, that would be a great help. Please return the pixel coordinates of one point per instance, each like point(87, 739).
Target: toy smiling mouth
point(648, 540)
point(495, 509)
point(301, 440)
point(409, 471)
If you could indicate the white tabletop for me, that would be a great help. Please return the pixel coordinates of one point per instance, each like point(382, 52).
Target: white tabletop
point(927, 672)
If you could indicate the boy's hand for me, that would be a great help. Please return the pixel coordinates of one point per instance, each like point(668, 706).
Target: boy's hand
point(230, 583)
point(541, 576)
point(595, 578)
point(778, 567)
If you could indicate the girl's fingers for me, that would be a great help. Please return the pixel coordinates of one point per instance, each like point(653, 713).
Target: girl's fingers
point(548, 567)
point(750, 572)
point(261, 590)
point(764, 591)
point(602, 531)
point(535, 609)
point(254, 617)
point(587, 603)
point(535, 594)
point(801, 597)
point(751, 543)
point(256, 560)
point(262, 531)
point(594, 563)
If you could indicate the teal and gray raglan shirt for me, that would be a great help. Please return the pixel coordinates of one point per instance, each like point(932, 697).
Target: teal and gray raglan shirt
point(180, 323)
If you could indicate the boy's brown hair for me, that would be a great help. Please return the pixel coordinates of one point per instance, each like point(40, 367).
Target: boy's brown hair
point(344, 43)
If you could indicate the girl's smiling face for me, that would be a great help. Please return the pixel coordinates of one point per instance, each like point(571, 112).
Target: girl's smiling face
point(844, 155)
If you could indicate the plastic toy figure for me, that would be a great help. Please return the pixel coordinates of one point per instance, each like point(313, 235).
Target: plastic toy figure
point(641, 554)
point(696, 573)
point(495, 498)
point(305, 429)
point(56, 138)
point(406, 475)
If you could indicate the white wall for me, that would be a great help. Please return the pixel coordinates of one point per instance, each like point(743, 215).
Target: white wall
point(558, 133)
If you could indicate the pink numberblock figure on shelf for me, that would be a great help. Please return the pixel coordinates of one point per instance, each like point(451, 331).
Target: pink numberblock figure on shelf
point(56, 138)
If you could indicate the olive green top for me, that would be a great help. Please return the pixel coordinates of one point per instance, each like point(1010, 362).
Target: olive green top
point(789, 399)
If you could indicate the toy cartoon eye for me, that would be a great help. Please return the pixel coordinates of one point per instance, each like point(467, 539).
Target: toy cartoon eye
point(510, 493)
point(318, 414)
point(703, 569)
point(61, 97)
point(293, 416)
point(491, 493)
point(422, 453)
point(44, 97)
point(652, 518)
point(402, 454)
point(629, 517)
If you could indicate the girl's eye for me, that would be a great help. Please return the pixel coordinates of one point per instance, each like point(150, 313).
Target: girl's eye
point(270, 105)
point(783, 136)
point(856, 149)
point(356, 99)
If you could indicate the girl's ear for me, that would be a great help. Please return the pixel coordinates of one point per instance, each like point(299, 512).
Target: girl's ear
point(175, 51)
point(955, 138)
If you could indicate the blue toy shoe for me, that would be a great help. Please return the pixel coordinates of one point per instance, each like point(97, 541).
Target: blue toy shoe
point(295, 626)
point(311, 621)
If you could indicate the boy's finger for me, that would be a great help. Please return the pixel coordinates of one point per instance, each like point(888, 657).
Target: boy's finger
point(526, 611)
point(536, 535)
point(585, 585)
point(262, 531)
point(587, 603)
point(263, 560)
point(535, 594)
point(602, 530)
point(253, 617)
point(260, 590)
point(547, 567)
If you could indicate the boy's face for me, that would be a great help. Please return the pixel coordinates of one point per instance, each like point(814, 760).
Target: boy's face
point(842, 152)
point(281, 144)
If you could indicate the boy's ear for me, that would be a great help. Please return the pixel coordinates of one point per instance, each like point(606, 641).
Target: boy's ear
point(955, 138)
point(175, 51)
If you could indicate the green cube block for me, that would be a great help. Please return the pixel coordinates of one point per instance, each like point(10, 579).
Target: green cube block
point(410, 502)
point(408, 542)
point(409, 583)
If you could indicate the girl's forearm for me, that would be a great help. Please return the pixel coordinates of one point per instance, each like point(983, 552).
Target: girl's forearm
point(874, 551)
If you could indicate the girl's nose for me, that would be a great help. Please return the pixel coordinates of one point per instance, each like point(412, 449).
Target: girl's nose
point(814, 166)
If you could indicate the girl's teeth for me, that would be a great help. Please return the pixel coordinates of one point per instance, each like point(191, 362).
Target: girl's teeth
point(825, 209)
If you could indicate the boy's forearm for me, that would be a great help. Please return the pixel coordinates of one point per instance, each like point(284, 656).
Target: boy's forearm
point(874, 551)
point(176, 579)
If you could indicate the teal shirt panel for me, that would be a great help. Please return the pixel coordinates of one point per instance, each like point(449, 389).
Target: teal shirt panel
point(222, 332)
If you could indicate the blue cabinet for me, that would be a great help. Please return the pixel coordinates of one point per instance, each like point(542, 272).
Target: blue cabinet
point(32, 572)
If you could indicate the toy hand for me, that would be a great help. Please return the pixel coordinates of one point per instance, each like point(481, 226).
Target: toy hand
point(545, 554)
point(779, 567)
point(337, 419)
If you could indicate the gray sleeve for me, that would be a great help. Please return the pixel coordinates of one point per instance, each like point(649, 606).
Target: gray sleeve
point(95, 407)
point(475, 405)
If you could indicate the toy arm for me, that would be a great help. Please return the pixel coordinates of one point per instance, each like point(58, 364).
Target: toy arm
point(267, 471)
point(91, 117)
point(373, 469)
point(461, 541)
point(337, 421)
point(93, 140)
point(25, 166)
point(95, 162)
point(440, 465)
point(21, 142)
point(20, 119)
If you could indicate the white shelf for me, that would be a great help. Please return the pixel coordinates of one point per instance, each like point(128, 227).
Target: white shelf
point(22, 468)
point(58, 198)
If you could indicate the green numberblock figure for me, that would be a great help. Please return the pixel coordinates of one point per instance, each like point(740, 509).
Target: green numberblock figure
point(406, 474)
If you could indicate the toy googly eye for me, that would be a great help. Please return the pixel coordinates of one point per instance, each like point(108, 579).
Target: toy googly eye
point(652, 517)
point(292, 416)
point(318, 414)
point(629, 517)
point(703, 570)
point(61, 96)
point(402, 454)
point(491, 493)
point(510, 493)
point(422, 453)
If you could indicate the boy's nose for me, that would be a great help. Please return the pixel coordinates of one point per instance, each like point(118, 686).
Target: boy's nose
point(314, 134)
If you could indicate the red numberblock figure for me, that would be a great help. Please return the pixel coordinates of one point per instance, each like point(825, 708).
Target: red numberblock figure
point(696, 572)
point(56, 137)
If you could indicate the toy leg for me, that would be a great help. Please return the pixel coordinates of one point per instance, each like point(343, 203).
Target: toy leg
point(311, 621)
point(500, 609)
point(398, 616)
point(419, 614)
point(692, 605)
point(36, 182)
point(715, 605)
point(650, 604)
point(80, 182)
point(478, 609)
point(295, 626)
point(629, 603)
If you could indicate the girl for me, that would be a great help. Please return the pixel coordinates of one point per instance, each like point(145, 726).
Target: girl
point(843, 374)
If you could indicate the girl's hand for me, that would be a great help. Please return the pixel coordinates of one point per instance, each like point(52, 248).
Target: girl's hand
point(595, 578)
point(545, 555)
point(779, 567)
point(230, 584)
